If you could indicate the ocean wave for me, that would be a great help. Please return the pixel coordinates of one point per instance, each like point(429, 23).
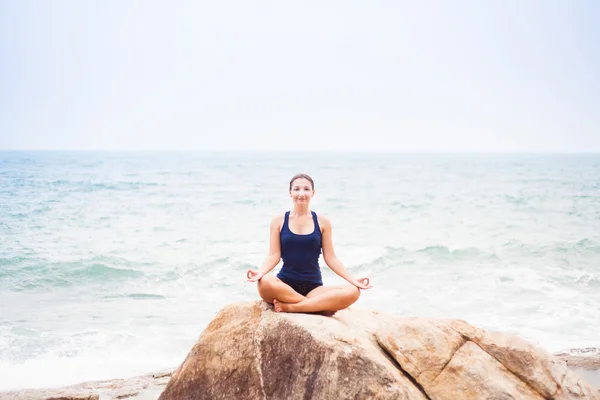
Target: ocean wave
point(22, 273)
point(138, 296)
point(588, 280)
point(214, 269)
point(402, 204)
point(519, 200)
point(31, 213)
point(145, 296)
point(103, 271)
point(583, 246)
point(84, 186)
point(397, 256)
point(445, 253)
point(245, 202)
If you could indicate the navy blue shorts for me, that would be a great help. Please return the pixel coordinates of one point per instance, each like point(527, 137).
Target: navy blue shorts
point(302, 287)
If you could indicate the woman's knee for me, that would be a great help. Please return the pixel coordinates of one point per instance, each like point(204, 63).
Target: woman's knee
point(353, 293)
point(265, 284)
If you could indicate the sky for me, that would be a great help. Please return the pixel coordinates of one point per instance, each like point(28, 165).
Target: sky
point(405, 76)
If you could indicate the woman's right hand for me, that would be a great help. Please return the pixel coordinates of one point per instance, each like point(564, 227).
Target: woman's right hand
point(362, 283)
point(253, 275)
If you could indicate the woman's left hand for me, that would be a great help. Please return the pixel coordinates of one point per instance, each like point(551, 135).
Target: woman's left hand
point(253, 276)
point(362, 283)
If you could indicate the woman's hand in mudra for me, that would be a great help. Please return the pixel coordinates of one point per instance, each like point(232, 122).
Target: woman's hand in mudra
point(362, 283)
point(253, 275)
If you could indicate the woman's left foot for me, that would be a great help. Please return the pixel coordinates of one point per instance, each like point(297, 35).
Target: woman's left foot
point(327, 313)
point(286, 307)
point(279, 306)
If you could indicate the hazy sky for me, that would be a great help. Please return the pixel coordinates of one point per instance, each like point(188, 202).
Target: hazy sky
point(444, 75)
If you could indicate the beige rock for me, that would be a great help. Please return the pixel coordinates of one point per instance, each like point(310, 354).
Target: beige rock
point(145, 387)
point(573, 387)
point(473, 374)
point(422, 347)
point(223, 362)
point(531, 364)
point(250, 352)
point(75, 397)
point(586, 361)
point(544, 372)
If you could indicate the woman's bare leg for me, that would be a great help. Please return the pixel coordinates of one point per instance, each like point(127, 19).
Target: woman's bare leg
point(270, 287)
point(323, 298)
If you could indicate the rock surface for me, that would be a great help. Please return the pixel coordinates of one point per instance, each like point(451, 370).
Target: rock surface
point(250, 352)
point(146, 387)
point(588, 358)
point(585, 362)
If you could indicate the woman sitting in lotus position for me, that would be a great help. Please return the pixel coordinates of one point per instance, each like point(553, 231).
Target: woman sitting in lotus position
point(298, 237)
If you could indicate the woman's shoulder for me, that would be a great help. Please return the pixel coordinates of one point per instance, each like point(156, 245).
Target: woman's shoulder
point(278, 220)
point(324, 222)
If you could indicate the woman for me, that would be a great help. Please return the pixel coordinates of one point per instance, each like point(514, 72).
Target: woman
point(298, 237)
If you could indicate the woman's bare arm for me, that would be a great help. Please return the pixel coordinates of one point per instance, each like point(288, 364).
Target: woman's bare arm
point(274, 252)
point(331, 259)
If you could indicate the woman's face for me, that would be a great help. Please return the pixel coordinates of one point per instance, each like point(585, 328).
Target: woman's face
point(301, 191)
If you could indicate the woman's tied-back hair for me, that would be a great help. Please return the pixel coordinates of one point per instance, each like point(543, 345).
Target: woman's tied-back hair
point(303, 176)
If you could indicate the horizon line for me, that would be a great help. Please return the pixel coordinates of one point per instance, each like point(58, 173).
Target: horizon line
point(538, 152)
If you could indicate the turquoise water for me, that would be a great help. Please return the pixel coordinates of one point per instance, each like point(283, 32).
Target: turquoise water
point(111, 264)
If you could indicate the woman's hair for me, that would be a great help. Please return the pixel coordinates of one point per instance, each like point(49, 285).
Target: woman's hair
point(302, 176)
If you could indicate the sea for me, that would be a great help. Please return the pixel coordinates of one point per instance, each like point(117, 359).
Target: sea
point(113, 263)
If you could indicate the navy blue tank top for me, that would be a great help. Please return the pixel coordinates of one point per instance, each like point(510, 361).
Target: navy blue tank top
point(300, 253)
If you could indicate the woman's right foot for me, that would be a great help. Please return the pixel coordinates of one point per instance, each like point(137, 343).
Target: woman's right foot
point(278, 306)
point(286, 307)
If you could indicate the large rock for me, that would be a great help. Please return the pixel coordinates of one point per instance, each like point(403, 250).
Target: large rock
point(250, 352)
